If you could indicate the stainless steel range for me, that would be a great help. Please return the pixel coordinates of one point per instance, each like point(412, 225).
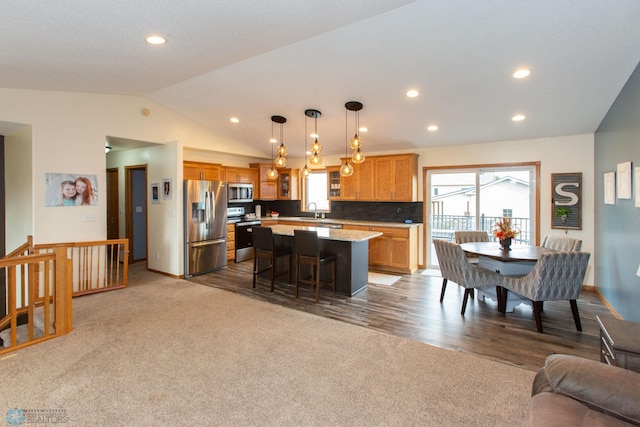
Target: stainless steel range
point(243, 223)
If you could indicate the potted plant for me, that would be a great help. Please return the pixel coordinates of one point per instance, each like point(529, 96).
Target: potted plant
point(563, 213)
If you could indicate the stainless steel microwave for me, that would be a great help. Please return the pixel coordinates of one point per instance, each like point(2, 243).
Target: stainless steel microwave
point(239, 193)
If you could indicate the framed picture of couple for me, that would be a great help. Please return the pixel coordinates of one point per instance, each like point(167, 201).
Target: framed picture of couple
point(71, 189)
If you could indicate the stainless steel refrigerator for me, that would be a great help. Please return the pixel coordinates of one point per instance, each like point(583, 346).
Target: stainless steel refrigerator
point(205, 226)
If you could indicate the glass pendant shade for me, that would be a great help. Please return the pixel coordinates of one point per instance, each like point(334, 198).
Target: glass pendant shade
point(357, 156)
point(272, 173)
point(281, 162)
point(316, 159)
point(346, 169)
point(316, 147)
point(356, 142)
point(305, 172)
point(282, 150)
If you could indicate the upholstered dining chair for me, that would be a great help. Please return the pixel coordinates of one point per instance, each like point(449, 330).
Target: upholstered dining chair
point(556, 276)
point(264, 247)
point(455, 267)
point(561, 243)
point(307, 251)
point(471, 236)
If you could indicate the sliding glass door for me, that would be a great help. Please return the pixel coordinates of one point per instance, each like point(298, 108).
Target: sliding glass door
point(476, 198)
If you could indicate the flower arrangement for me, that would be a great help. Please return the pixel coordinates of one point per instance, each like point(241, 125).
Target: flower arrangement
point(504, 230)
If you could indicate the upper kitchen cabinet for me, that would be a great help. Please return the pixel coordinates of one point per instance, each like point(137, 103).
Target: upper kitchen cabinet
point(267, 189)
point(200, 170)
point(392, 178)
point(334, 183)
point(288, 184)
point(396, 177)
point(359, 186)
point(240, 175)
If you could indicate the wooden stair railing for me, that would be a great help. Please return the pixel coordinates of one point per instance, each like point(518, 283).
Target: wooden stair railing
point(98, 266)
point(89, 267)
point(37, 280)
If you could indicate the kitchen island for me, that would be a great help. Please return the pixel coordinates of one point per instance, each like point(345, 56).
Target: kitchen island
point(350, 246)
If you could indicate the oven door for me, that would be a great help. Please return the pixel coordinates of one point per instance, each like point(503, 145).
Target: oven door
point(244, 240)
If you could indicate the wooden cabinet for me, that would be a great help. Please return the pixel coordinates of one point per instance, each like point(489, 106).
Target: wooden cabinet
point(240, 175)
point(288, 180)
point(358, 186)
point(392, 178)
point(200, 170)
point(396, 178)
point(231, 242)
point(269, 222)
point(395, 251)
point(267, 188)
point(333, 182)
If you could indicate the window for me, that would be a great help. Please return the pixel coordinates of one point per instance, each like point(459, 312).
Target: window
point(475, 198)
point(315, 191)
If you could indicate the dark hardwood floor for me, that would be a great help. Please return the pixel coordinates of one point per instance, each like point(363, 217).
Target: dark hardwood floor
point(411, 308)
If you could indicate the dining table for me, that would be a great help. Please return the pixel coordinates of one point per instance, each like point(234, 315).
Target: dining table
point(519, 260)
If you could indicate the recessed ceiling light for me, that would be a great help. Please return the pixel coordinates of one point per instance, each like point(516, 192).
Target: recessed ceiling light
point(432, 128)
point(518, 117)
point(234, 120)
point(314, 135)
point(362, 129)
point(156, 40)
point(412, 93)
point(522, 73)
point(273, 141)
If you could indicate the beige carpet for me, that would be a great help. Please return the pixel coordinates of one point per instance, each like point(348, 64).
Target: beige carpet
point(382, 279)
point(172, 352)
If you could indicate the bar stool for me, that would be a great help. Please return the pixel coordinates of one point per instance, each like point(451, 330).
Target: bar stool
point(265, 247)
point(307, 250)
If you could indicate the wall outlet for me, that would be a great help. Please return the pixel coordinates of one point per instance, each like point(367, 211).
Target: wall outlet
point(157, 255)
point(91, 217)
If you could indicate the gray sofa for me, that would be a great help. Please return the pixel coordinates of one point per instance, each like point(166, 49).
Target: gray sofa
point(572, 391)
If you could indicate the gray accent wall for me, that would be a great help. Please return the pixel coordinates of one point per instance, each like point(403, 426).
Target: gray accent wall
point(617, 227)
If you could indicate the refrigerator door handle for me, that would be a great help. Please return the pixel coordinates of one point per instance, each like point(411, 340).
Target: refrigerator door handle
point(207, 243)
point(209, 211)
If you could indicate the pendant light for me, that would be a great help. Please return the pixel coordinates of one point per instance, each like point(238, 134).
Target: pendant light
point(272, 173)
point(316, 147)
point(282, 151)
point(355, 106)
point(346, 169)
point(306, 171)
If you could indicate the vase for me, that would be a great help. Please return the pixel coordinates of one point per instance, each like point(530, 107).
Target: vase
point(505, 244)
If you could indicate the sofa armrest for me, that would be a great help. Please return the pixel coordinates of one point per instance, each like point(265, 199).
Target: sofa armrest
point(606, 388)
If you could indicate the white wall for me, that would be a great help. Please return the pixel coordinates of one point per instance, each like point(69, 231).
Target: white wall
point(18, 187)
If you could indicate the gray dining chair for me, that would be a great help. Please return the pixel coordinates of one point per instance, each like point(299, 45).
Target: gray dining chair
point(455, 267)
point(471, 236)
point(561, 243)
point(557, 276)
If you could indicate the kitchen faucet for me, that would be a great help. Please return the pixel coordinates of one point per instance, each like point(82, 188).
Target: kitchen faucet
point(315, 209)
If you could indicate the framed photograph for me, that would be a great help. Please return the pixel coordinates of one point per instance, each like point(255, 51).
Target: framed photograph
point(167, 188)
point(70, 189)
point(624, 180)
point(610, 188)
point(566, 206)
point(155, 193)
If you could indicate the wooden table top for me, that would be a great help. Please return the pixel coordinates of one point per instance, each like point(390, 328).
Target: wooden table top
point(517, 252)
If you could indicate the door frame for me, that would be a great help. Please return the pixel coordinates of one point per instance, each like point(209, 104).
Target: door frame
point(426, 197)
point(113, 202)
point(128, 173)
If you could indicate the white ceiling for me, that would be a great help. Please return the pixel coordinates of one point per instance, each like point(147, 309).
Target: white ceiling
point(254, 58)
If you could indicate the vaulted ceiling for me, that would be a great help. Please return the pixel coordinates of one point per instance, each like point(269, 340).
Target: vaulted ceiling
point(253, 59)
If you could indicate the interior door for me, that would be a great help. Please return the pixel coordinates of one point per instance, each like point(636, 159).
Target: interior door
point(136, 207)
